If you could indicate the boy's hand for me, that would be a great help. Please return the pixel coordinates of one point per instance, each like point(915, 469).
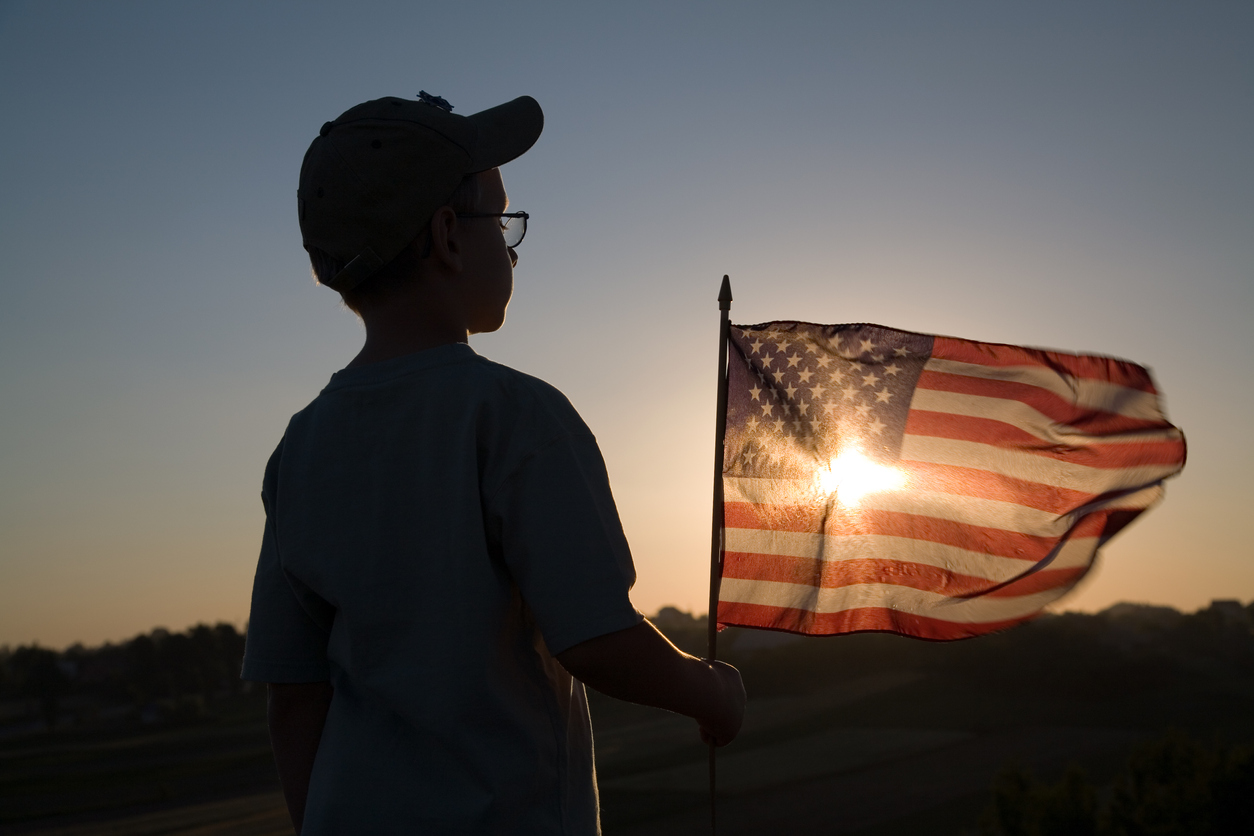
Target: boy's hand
point(722, 726)
point(639, 665)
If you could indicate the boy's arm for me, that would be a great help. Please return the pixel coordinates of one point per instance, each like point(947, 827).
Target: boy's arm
point(296, 712)
point(640, 665)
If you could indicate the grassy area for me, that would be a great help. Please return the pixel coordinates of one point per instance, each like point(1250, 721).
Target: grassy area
point(46, 777)
point(870, 735)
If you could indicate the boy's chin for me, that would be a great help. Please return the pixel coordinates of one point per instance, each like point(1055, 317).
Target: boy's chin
point(489, 327)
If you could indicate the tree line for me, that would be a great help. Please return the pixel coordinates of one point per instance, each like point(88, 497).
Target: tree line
point(1127, 647)
point(160, 674)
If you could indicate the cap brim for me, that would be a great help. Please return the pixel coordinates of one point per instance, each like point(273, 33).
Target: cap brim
point(505, 132)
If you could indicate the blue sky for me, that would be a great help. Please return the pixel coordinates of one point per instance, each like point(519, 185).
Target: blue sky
point(1068, 175)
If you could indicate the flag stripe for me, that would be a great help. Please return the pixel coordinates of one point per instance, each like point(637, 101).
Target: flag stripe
point(1027, 467)
point(1055, 408)
point(773, 496)
point(1085, 367)
point(979, 484)
point(824, 574)
point(893, 596)
point(1089, 395)
point(1037, 424)
point(991, 541)
point(1137, 450)
point(1074, 551)
point(1006, 516)
point(859, 620)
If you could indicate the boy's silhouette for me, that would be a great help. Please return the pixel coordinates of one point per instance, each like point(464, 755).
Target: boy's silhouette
point(441, 550)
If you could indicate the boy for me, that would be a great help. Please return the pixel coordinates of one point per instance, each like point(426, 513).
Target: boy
point(441, 550)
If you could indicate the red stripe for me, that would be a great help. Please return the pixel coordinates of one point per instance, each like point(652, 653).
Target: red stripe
point(1009, 437)
point(1087, 367)
point(1094, 422)
point(983, 484)
point(834, 574)
point(865, 619)
point(985, 540)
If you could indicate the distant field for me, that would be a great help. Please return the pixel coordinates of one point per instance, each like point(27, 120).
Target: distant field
point(263, 814)
point(866, 735)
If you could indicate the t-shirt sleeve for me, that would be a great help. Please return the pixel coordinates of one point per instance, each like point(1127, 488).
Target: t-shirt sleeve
point(285, 641)
point(560, 536)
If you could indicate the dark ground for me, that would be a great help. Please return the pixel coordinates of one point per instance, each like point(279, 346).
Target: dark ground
point(871, 735)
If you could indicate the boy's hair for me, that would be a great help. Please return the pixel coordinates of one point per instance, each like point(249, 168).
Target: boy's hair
point(401, 269)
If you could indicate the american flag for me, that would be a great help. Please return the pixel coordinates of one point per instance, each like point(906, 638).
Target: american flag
point(877, 479)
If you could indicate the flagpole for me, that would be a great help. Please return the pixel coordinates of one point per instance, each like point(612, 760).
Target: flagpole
point(716, 536)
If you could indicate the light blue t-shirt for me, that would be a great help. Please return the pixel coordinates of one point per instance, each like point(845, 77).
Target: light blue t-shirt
point(438, 527)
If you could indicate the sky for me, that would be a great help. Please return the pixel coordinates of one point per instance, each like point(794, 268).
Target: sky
point(1069, 175)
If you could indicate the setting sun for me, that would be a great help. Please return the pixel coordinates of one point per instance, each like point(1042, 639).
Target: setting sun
point(851, 476)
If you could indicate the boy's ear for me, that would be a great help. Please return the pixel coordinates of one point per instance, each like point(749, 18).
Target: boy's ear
point(445, 240)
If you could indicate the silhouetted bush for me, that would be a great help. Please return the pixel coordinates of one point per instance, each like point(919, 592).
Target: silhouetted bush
point(1171, 787)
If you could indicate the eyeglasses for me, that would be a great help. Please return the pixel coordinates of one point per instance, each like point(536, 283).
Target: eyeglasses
point(513, 224)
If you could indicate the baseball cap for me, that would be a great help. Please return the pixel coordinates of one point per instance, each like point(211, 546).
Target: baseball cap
point(373, 177)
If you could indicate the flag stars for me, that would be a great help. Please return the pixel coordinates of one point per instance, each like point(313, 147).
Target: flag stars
point(793, 360)
point(791, 390)
point(824, 361)
point(893, 369)
point(754, 392)
point(872, 380)
point(755, 347)
point(849, 393)
point(883, 396)
point(803, 408)
point(817, 391)
point(766, 408)
point(863, 409)
point(805, 375)
point(876, 426)
point(779, 376)
point(867, 347)
point(752, 423)
point(779, 424)
point(901, 351)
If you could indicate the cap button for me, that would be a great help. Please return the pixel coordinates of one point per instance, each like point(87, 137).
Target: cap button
point(326, 128)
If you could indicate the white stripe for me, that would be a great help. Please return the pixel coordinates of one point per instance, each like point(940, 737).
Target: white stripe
point(1084, 392)
point(1006, 410)
point(970, 510)
point(1073, 553)
point(1137, 501)
point(1030, 467)
point(900, 598)
point(769, 491)
point(912, 499)
point(1020, 415)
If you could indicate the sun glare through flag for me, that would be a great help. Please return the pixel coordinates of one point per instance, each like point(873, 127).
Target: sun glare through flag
point(941, 488)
